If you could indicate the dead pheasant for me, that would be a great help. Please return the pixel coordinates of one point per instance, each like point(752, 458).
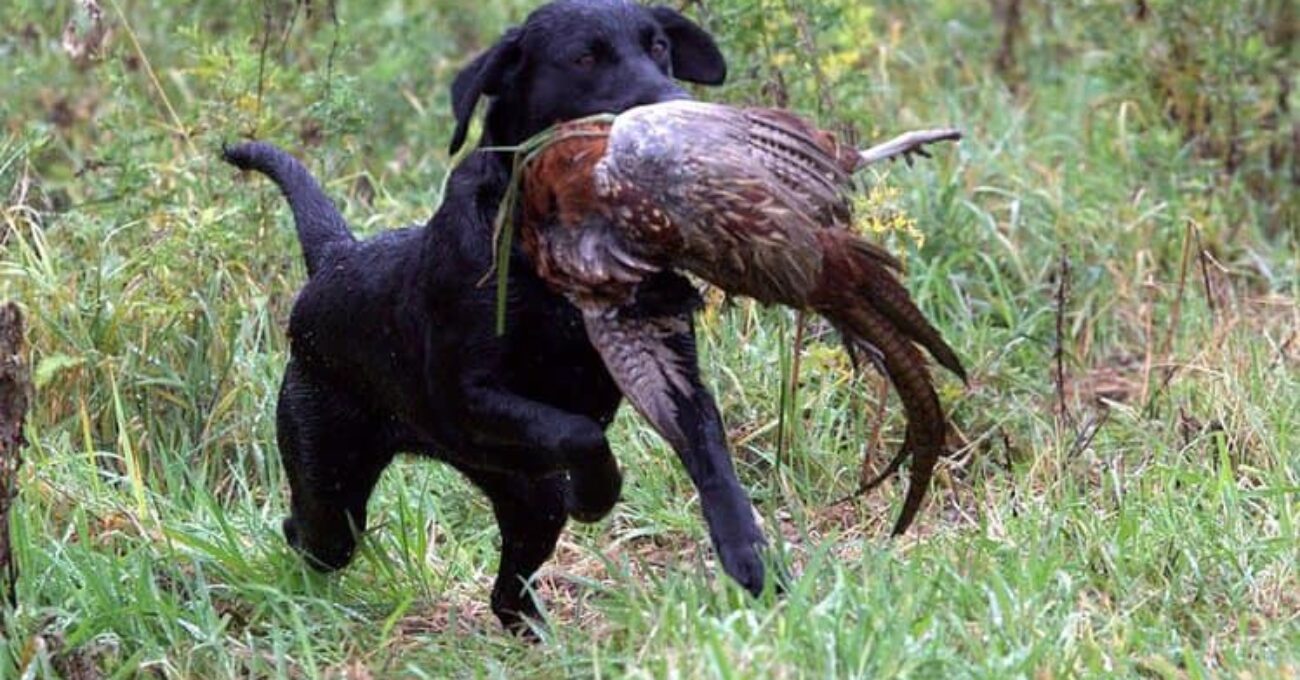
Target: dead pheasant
point(754, 201)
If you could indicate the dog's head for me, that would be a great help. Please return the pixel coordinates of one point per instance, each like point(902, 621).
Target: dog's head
point(575, 58)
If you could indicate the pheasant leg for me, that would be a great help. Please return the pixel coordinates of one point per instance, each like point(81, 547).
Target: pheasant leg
point(907, 144)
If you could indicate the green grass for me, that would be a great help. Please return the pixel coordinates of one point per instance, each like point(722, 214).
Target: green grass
point(1151, 531)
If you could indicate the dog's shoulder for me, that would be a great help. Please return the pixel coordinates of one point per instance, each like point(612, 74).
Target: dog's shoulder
point(476, 184)
point(461, 228)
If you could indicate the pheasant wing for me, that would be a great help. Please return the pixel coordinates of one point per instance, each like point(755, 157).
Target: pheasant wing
point(807, 161)
point(745, 191)
point(803, 168)
point(649, 349)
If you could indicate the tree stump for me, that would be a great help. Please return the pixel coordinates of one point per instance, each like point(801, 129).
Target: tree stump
point(15, 387)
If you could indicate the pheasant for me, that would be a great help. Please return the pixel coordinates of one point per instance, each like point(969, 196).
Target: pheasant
point(754, 201)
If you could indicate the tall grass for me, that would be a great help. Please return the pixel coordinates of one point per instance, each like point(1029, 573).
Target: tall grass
point(1123, 208)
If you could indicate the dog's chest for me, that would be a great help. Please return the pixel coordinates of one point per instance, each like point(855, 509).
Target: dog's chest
point(552, 360)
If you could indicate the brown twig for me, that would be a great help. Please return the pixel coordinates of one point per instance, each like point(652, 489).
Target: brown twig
point(1176, 313)
point(1009, 459)
point(261, 61)
point(1205, 273)
point(1058, 354)
point(1012, 28)
point(1087, 432)
point(288, 30)
point(1148, 313)
point(334, 47)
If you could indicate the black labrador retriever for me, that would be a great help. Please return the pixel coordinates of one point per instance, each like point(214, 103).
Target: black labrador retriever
point(393, 342)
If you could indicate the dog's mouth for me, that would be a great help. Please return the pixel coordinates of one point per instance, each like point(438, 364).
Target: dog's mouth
point(660, 98)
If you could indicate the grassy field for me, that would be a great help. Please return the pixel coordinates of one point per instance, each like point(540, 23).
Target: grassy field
point(1113, 249)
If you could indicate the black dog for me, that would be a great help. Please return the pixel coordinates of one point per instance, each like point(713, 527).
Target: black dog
point(394, 345)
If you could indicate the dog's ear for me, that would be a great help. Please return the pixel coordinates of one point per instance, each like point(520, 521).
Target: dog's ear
point(485, 76)
point(696, 58)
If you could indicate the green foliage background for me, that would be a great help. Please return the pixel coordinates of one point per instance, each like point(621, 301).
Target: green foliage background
point(1126, 505)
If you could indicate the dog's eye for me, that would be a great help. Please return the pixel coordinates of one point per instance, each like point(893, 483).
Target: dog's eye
point(658, 49)
point(586, 61)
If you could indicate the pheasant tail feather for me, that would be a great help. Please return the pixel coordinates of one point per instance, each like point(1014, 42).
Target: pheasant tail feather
point(866, 328)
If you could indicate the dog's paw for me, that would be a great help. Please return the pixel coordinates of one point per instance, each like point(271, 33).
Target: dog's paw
point(328, 558)
point(743, 562)
point(593, 490)
point(518, 614)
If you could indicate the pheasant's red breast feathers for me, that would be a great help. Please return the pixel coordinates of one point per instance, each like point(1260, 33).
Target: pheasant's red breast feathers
point(575, 229)
point(558, 182)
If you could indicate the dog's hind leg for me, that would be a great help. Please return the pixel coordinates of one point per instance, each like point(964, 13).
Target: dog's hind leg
point(333, 452)
point(530, 513)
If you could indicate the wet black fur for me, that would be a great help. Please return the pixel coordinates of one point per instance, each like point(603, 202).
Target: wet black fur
point(393, 346)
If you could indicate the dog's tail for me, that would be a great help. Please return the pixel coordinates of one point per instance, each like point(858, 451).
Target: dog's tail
point(320, 225)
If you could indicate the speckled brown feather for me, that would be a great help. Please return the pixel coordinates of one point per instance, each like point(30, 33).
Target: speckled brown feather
point(637, 353)
point(857, 273)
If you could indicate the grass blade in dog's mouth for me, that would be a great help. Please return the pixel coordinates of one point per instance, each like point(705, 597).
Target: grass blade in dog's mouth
point(503, 224)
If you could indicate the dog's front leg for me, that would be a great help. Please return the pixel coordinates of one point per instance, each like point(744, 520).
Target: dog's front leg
point(535, 439)
point(727, 508)
point(649, 348)
point(547, 439)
